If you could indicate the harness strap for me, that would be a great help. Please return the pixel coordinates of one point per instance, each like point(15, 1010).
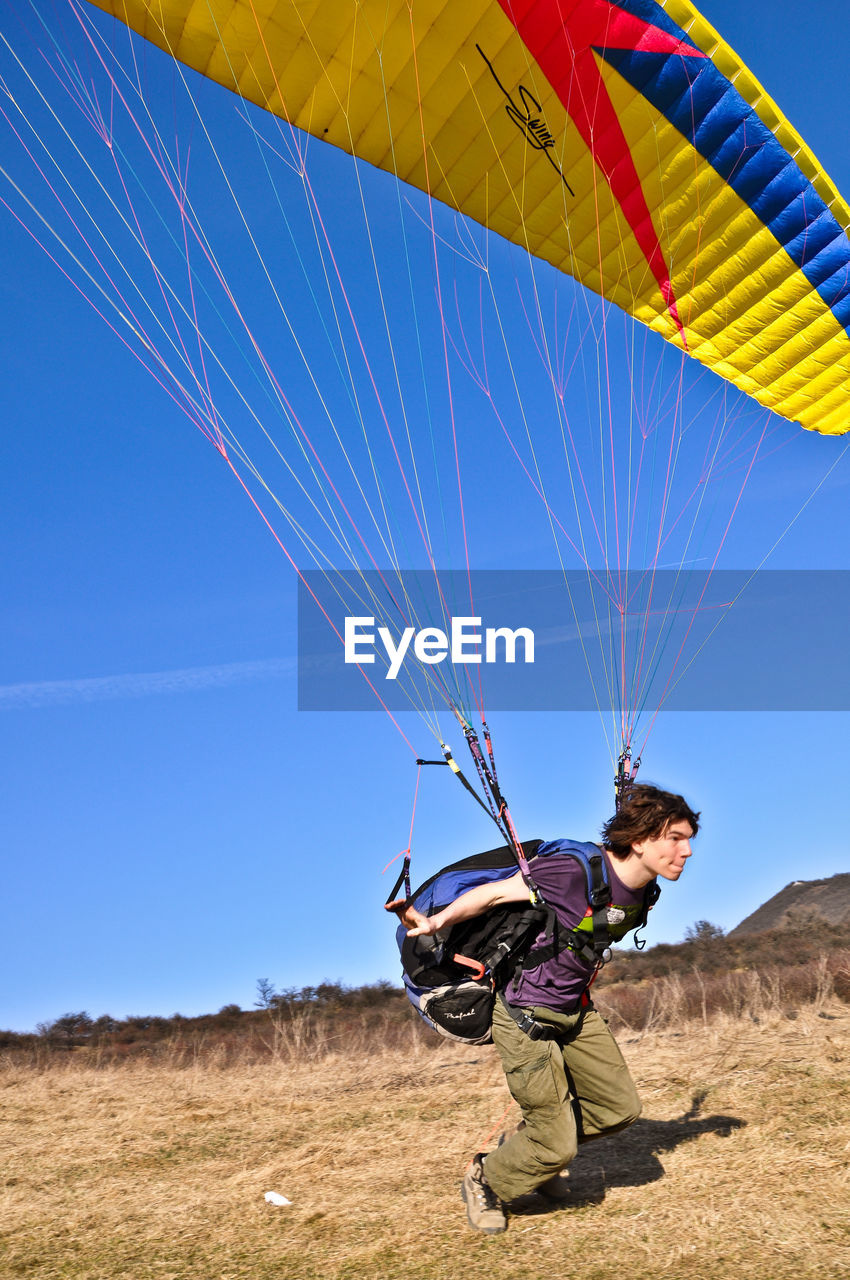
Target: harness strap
point(599, 899)
point(653, 893)
point(530, 1026)
point(456, 770)
point(403, 879)
point(498, 804)
point(597, 950)
point(548, 951)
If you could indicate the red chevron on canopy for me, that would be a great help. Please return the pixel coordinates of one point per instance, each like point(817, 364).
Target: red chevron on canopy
point(562, 39)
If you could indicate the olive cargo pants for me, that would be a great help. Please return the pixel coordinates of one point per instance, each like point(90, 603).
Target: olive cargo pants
point(569, 1090)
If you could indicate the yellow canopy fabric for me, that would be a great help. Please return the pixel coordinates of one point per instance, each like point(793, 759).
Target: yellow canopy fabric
point(620, 140)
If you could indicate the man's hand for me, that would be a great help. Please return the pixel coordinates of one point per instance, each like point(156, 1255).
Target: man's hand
point(417, 924)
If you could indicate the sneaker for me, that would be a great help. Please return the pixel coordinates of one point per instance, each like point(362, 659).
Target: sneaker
point(484, 1209)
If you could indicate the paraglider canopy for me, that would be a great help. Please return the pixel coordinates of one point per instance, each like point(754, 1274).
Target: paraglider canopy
point(623, 142)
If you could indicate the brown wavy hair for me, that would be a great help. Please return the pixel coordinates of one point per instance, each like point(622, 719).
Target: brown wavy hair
point(644, 814)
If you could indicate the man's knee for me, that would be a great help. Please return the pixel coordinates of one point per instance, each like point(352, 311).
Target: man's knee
point(554, 1140)
point(632, 1105)
point(631, 1112)
point(628, 1109)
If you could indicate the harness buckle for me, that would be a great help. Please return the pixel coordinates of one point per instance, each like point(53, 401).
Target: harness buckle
point(535, 1030)
point(529, 1026)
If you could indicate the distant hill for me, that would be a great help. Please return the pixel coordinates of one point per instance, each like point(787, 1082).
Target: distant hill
point(829, 899)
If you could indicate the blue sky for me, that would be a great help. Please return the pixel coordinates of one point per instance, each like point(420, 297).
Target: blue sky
point(173, 828)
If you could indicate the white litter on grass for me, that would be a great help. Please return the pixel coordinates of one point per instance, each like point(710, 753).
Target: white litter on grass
point(274, 1197)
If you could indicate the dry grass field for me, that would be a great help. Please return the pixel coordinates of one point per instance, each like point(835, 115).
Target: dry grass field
point(156, 1170)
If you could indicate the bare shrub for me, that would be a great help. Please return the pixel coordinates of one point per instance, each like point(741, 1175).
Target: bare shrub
point(320, 1022)
point(840, 972)
point(757, 994)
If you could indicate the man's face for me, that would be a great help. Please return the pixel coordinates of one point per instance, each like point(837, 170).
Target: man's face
point(666, 855)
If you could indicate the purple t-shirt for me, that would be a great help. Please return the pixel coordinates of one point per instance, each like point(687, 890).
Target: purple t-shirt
point(558, 983)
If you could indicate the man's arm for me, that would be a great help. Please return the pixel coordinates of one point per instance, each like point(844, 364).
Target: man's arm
point(472, 903)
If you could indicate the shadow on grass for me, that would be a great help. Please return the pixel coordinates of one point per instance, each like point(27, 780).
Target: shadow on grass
point(627, 1159)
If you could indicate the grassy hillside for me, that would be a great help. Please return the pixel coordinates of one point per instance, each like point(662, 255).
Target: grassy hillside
point(155, 1168)
point(828, 899)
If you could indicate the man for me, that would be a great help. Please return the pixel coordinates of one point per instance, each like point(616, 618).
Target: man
point(562, 1064)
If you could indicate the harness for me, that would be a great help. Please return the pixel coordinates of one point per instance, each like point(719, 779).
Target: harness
point(590, 939)
point(451, 979)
